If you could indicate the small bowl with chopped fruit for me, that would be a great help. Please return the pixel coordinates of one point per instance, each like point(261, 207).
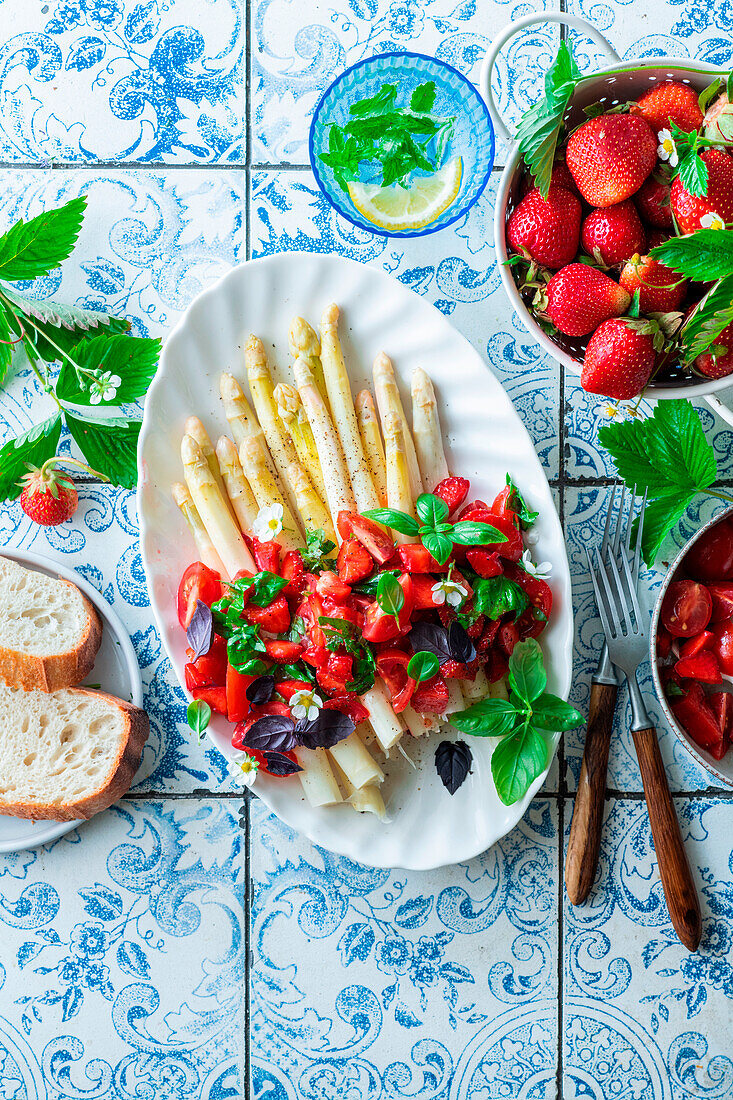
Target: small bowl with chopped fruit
point(692, 647)
point(401, 144)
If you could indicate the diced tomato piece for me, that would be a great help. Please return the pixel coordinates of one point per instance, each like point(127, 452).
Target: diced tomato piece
point(311, 609)
point(351, 612)
point(538, 591)
point(197, 583)
point(502, 502)
point(330, 584)
point(381, 627)
point(703, 667)
point(414, 558)
point(431, 696)
point(686, 608)
point(315, 656)
point(508, 637)
point(292, 568)
point(512, 549)
point(471, 507)
point(350, 705)
point(488, 636)
point(722, 646)
point(697, 718)
point(693, 646)
point(273, 707)
point(369, 534)
point(209, 670)
point(722, 596)
point(530, 624)
point(496, 665)
point(238, 705)
point(392, 665)
point(422, 591)
point(336, 673)
point(664, 643)
point(282, 651)
point(266, 554)
point(721, 704)
point(486, 563)
point(354, 562)
point(288, 688)
point(216, 697)
point(453, 490)
point(275, 617)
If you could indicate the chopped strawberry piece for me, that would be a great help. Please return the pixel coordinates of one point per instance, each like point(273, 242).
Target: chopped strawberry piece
point(538, 591)
point(336, 673)
point(266, 554)
point(473, 506)
point(486, 563)
point(392, 667)
point(431, 696)
point(216, 697)
point(422, 591)
point(315, 656)
point(454, 670)
point(288, 688)
point(721, 703)
point(292, 568)
point(275, 617)
point(703, 667)
point(381, 627)
point(209, 670)
point(496, 666)
point(330, 584)
point(475, 630)
point(697, 718)
point(350, 705)
point(508, 637)
point(414, 558)
point(664, 643)
point(693, 646)
point(488, 636)
point(369, 534)
point(282, 651)
point(355, 563)
point(238, 705)
point(453, 490)
point(503, 502)
point(512, 549)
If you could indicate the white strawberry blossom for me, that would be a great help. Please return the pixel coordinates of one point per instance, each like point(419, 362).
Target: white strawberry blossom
point(245, 767)
point(450, 592)
point(667, 150)
point(712, 221)
point(305, 704)
point(541, 570)
point(269, 523)
point(104, 387)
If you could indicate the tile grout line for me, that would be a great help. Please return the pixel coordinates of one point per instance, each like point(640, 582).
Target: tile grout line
point(555, 796)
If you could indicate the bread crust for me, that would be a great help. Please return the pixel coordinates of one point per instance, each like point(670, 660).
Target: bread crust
point(61, 670)
point(118, 781)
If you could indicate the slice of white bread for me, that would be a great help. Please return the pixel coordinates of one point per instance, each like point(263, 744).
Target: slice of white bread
point(68, 754)
point(49, 631)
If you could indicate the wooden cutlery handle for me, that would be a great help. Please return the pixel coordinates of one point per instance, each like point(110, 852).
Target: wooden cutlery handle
point(585, 832)
point(674, 869)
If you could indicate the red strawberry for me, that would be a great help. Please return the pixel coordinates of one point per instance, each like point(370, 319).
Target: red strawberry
point(579, 297)
point(657, 236)
point(689, 210)
point(453, 490)
point(661, 289)
point(609, 157)
point(620, 358)
point(613, 233)
point(718, 365)
point(560, 178)
point(652, 200)
point(49, 495)
point(547, 229)
point(669, 102)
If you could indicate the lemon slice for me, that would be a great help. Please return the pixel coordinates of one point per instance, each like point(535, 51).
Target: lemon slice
point(399, 208)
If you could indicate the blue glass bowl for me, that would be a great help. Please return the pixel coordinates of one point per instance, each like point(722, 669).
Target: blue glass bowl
point(473, 136)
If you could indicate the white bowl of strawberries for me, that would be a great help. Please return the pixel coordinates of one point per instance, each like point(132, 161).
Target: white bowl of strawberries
point(606, 217)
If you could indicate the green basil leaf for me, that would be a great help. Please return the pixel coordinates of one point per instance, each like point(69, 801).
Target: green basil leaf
point(109, 446)
point(390, 596)
point(490, 718)
point(33, 248)
point(368, 587)
point(517, 761)
point(318, 551)
point(551, 713)
point(265, 586)
point(423, 666)
point(33, 446)
point(298, 630)
point(437, 544)
point(431, 510)
point(301, 671)
point(198, 715)
point(496, 596)
point(517, 504)
point(527, 670)
point(468, 533)
point(390, 517)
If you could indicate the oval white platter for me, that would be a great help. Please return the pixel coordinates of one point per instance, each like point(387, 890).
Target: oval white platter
point(115, 670)
point(485, 438)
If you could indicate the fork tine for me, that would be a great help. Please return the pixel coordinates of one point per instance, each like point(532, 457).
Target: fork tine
point(600, 602)
point(632, 588)
point(606, 527)
point(613, 604)
point(622, 607)
point(639, 533)
point(619, 520)
point(629, 521)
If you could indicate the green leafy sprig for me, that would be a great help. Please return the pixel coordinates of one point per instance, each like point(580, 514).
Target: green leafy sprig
point(318, 549)
point(691, 168)
point(343, 634)
point(436, 535)
point(540, 126)
point(101, 365)
point(520, 723)
point(423, 666)
point(243, 638)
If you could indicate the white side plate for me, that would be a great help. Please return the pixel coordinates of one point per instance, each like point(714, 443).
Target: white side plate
point(115, 671)
point(427, 828)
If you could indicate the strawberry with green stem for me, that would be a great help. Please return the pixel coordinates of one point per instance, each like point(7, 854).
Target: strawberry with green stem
point(49, 496)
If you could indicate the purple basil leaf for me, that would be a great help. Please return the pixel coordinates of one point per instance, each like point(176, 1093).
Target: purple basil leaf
point(273, 733)
point(460, 645)
point(261, 690)
point(200, 631)
point(279, 764)
point(453, 761)
point(432, 639)
point(325, 731)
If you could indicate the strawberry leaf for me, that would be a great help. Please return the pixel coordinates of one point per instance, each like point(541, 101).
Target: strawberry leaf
point(713, 314)
point(539, 127)
point(109, 446)
point(693, 171)
point(51, 325)
point(660, 516)
point(133, 359)
point(34, 447)
point(33, 248)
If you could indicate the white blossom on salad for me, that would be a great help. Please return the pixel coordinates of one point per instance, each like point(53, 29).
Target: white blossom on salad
point(450, 592)
point(269, 523)
point(305, 704)
point(541, 570)
point(667, 150)
point(712, 221)
point(104, 387)
point(245, 767)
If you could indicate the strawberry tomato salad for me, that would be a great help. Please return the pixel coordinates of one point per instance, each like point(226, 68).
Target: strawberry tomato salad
point(289, 654)
point(695, 641)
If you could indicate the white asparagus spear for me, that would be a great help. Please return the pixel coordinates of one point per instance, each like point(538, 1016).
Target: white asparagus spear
point(342, 411)
point(195, 428)
point(237, 487)
point(267, 492)
point(365, 800)
point(339, 496)
point(386, 724)
point(389, 400)
point(217, 519)
point(305, 344)
point(204, 546)
point(455, 697)
point(426, 431)
point(242, 420)
point(476, 689)
point(498, 690)
point(371, 441)
point(317, 778)
point(356, 762)
point(262, 389)
point(418, 724)
point(312, 510)
point(399, 494)
point(295, 422)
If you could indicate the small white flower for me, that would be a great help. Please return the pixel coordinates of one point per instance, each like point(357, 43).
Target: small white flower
point(450, 592)
point(245, 767)
point(269, 523)
point(104, 387)
point(305, 704)
point(667, 150)
point(542, 570)
point(712, 221)
point(611, 409)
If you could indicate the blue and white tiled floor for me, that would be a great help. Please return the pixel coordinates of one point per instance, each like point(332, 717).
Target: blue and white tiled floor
point(133, 964)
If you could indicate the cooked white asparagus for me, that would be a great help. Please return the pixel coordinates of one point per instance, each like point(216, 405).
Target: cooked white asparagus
point(389, 400)
point(312, 510)
point(342, 412)
point(295, 422)
point(195, 428)
point(317, 778)
point(476, 689)
point(386, 724)
point(365, 800)
point(237, 487)
point(211, 506)
point(371, 441)
point(498, 690)
point(205, 547)
point(339, 495)
point(399, 493)
point(418, 724)
point(455, 697)
point(262, 389)
point(304, 344)
point(267, 492)
point(356, 762)
point(426, 431)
